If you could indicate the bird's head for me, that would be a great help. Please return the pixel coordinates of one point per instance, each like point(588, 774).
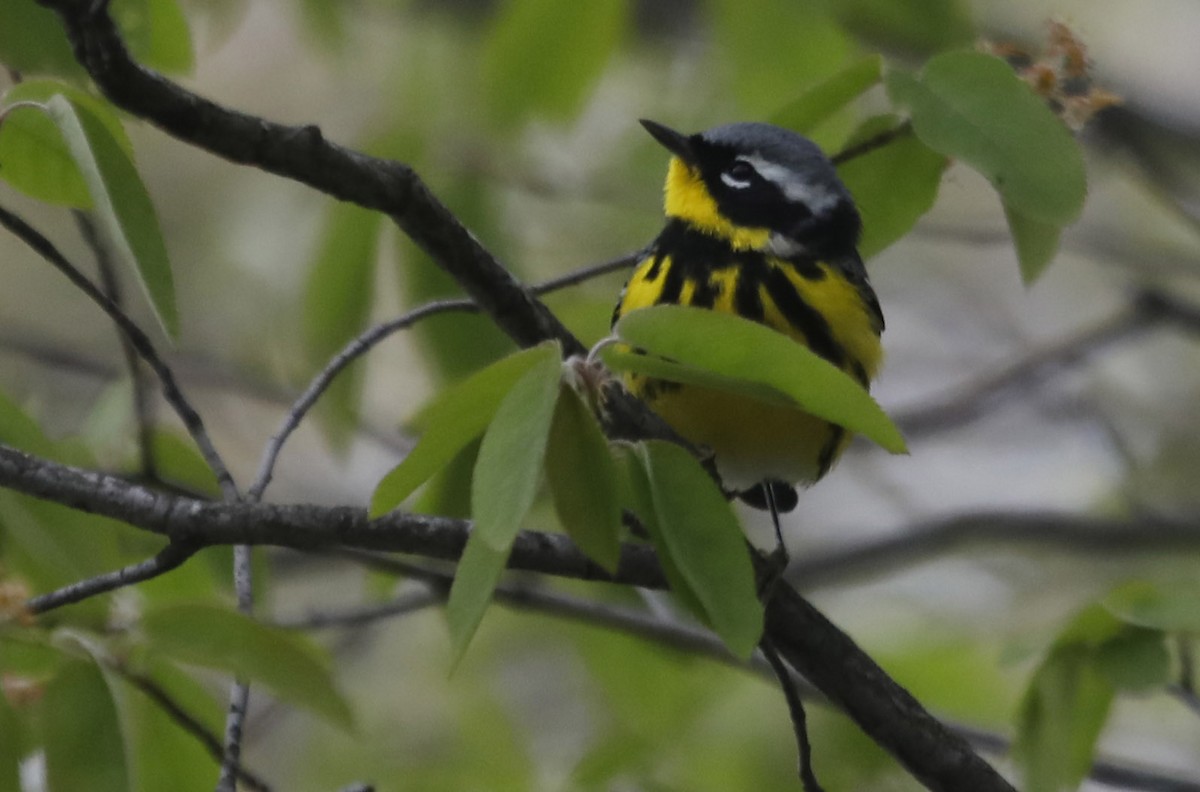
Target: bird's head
point(761, 187)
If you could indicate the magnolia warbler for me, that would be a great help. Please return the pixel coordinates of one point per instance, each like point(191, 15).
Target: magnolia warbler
point(759, 225)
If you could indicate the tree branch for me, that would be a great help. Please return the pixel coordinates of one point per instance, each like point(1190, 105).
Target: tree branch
point(170, 557)
point(805, 638)
point(239, 689)
point(799, 718)
point(302, 154)
point(811, 644)
point(872, 143)
point(138, 339)
point(361, 615)
point(1067, 531)
point(110, 284)
point(235, 719)
point(363, 343)
point(886, 712)
point(973, 400)
point(188, 722)
point(671, 634)
point(299, 526)
point(1147, 309)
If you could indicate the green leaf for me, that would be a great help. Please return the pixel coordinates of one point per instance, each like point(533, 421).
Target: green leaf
point(121, 204)
point(1060, 719)
point(448, 492)
point(459, 415)
point(34, 158)
point(1137, 660)
point(159, 754)
point(478, 572)
point(156, 32)
point(30, 652)
point(512, 452)
point(213, 637)
point(81, 732)
point(1091, 627)
point(754, 359)
point(701, 535)
point(1067, 702)
point(583, 482)
point(52, 546)
point(833, 93)
point(776, 48)
point(337, 306)
point(543, 56)
point(163, 755)
point(637, 496)
point(33, 41)
point(1172, 607)
point(620, 358)
point(916, 25)
point(974, 107)
point(1035, 241)
point(893, 185)
point(325, 24)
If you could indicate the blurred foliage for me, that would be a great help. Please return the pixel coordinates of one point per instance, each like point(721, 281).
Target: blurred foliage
point(515, 112)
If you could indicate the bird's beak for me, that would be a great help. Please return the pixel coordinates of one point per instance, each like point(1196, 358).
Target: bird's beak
point(678, 144)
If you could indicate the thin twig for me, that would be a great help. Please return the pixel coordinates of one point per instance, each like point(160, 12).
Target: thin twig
point(632, 621)
point(1185, 688)
point(231, 756)
point(1153, 148)
point(239, 695)
point(351, 352)
point(188, 722)
point(110, 284)
point(363, 343)
point(799, 720)
point(239, 690)
point(968, 403)
point(1187, 697)
point(140, 341)
point(1187, 662)
point(583, 274)
point(924, 541)
point(170, 557)
point(872, 143)
point(696, 641)
point(401, 605)
point(1117, 775)
point(193, 368)
point(1180, 313)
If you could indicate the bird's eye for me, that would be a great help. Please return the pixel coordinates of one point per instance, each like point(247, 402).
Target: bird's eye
point(739, 175)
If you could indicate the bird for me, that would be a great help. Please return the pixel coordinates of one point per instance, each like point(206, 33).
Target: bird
point(758, 224)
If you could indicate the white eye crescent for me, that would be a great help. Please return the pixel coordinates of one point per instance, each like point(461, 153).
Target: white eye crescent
point(740, 175)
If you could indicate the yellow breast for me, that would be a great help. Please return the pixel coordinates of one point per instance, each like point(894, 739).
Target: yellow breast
point(753, 441)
